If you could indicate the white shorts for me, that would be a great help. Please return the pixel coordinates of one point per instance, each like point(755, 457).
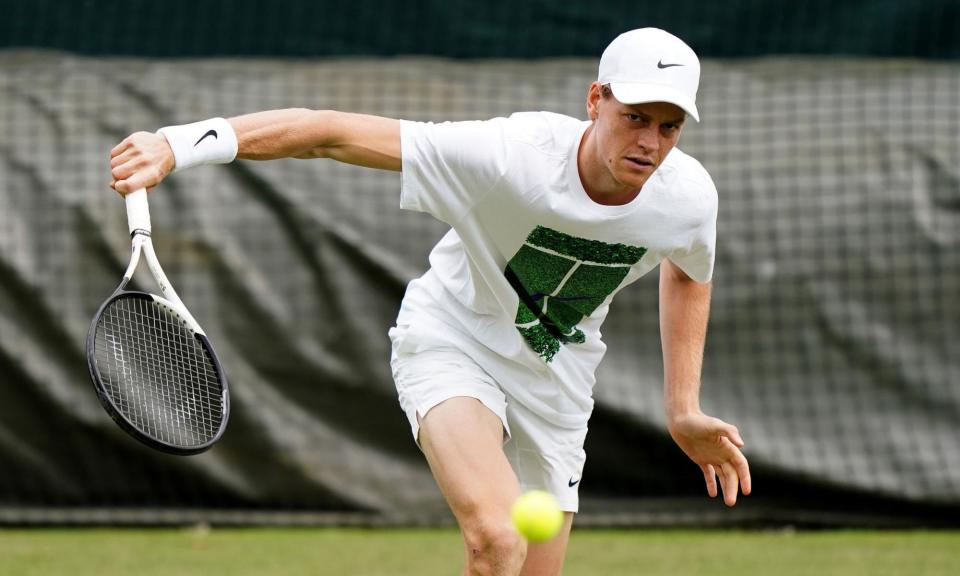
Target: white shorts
point(427, 371)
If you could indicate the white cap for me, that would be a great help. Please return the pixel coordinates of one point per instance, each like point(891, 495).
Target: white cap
point(651, 65)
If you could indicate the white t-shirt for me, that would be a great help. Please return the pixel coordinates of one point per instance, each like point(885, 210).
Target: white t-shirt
point(524, 278)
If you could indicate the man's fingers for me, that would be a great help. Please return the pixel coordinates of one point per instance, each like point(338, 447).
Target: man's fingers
point(737, 462)
point(122, 186)
point(125, 187)
point(120, 147)
point(124, 171)
point(723, 483)
point(710, 476)
point(118, 159)
point(135, 165)
point(730, 431)
point(136, 182)
point(743, 471)
point(730, 483)
point(147, 178)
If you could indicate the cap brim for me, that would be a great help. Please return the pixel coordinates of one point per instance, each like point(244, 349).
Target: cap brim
point(635, 93)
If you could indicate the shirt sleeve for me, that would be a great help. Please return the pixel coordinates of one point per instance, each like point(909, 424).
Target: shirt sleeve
point(696, 259)
point(449, 167)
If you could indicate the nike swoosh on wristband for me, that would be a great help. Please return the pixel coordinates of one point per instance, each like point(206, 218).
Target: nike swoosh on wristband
point(661, 65)
point(209, 133)
point(571, 483)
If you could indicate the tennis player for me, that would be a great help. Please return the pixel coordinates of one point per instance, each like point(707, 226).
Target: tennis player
point(496, 345)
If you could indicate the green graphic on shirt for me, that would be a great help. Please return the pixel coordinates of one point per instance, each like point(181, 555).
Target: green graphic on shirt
point(561, 279)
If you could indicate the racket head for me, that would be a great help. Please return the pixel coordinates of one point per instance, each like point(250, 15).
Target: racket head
point(157, 374)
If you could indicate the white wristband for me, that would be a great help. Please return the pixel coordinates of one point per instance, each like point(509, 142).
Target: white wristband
point(210, 141)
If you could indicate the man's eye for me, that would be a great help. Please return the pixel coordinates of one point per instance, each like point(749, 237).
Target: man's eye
point(632, 117)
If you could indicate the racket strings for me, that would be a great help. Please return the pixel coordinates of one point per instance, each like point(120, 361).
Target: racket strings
point(157, 373)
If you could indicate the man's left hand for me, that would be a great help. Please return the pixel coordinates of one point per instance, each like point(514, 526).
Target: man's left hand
point(715, 446)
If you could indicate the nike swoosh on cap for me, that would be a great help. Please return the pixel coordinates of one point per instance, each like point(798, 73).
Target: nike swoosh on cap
point(209, 133)
point(571, 483)
point(661, 65)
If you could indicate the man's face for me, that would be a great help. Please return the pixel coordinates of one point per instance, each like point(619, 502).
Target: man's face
point(632, 139)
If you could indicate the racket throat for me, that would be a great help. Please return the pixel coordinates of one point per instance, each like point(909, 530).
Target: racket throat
point(170, 295)
point(136, 249)
point(142, 244)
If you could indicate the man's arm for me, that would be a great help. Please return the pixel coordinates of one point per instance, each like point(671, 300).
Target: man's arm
point(710, 442)
point(144, 159)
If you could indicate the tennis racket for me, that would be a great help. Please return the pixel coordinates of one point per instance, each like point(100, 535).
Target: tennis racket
point(153, 368)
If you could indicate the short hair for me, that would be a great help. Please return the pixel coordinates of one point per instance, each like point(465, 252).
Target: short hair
point(605, 91)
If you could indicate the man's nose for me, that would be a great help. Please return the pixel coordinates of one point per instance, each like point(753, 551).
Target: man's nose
point(649, 139)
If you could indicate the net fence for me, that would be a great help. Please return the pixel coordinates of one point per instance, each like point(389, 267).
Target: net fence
point(834, 324)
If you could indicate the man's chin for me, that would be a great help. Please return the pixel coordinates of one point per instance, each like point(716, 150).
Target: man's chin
point(634, 181)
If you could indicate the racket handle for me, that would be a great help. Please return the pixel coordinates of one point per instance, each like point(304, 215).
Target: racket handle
point(138, 211)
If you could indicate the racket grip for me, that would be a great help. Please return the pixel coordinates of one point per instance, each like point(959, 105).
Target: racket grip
point(138, 211)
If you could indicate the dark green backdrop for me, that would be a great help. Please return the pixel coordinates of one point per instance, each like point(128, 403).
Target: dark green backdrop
point(471, 29)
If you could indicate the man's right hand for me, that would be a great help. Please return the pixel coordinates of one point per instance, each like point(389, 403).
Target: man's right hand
point(142, 160)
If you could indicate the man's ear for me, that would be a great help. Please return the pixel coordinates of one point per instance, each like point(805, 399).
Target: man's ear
point(593, 101)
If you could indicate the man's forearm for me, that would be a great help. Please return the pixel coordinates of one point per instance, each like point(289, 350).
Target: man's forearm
point(684, 311)
point(275, 134)
point(301, 133)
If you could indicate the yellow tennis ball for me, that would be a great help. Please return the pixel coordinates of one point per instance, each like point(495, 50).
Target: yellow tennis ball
point(537, 516)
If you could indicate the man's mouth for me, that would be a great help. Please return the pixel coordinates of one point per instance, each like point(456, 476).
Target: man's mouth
point(640, 162)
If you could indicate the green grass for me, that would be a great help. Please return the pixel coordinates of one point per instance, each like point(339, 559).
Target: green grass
point(357, 552)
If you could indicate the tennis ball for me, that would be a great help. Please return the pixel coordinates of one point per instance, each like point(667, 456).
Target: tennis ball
point(537, 516)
